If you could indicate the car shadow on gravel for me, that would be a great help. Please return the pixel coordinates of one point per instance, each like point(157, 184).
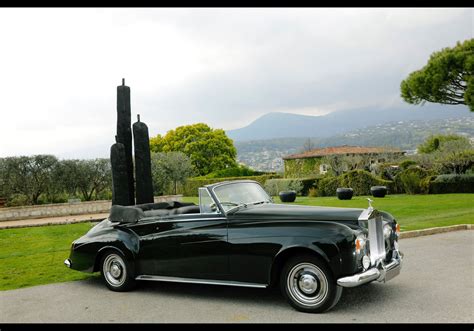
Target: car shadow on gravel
point(353, 300)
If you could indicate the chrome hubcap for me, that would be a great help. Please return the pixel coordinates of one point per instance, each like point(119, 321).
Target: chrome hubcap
point(307, 284)
point(114, 270)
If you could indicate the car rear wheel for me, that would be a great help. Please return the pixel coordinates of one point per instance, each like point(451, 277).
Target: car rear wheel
point(116, 272)
point(308, 284)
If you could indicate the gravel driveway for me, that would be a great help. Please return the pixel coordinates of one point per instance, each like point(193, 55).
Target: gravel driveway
point(435, 285)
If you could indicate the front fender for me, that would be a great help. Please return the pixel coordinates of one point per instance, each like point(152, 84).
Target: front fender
point(333, 242)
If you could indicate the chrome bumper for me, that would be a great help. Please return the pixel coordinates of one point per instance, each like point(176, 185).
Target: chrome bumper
point(67, 262)
point(382, 273)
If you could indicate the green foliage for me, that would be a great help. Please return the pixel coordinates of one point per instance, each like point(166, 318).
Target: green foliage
point(238, 171)
point(452, 184)
point(328, 186)
point(209, 149)
point(277, 185)
point(412, 180)
point(29, 176)
point(191, 186)
point(440, 142)
point(447, 78)
point(313, 192)
point(457, 162)
point(91, 177)
point(405, 164)
point(296, 168)
point(359, 180)
point(168, 170)
point(42, 179)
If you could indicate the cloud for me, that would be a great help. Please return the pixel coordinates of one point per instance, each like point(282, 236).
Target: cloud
point(226, 67)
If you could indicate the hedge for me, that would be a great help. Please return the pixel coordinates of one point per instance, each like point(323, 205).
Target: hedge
point(452, 184)
point(191, 186)
point(359, 180)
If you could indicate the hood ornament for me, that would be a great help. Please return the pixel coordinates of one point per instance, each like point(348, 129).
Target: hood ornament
point(370, 203)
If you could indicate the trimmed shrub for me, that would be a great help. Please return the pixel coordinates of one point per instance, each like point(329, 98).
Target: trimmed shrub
point(275, 186)
point(452, 184)
point(191, 186)
point(361, 181)
point(328, 186)
point(412, 180)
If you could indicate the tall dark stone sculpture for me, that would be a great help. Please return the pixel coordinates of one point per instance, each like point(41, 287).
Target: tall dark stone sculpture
point(141, 142)
point(124, 134)
point(120, 189)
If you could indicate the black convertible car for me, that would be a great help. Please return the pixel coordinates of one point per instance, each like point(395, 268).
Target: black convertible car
point(237, 236)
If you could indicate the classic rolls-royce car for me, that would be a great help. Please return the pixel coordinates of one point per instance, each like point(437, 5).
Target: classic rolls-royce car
point(238, 236)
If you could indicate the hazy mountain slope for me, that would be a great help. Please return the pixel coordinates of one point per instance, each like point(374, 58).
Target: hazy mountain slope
point(266, 154)
point(279, 125)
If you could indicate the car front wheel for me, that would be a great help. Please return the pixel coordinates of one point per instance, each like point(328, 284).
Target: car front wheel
point(308, 284)
point(117, 272)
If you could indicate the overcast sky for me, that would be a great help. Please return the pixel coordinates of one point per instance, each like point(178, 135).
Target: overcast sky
point(59, 68)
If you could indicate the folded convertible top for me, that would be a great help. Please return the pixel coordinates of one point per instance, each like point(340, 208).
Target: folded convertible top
point(132, 214)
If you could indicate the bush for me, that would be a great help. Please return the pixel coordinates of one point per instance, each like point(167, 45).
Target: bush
point(16, 200)
point(191, 186)
point(412, 180)
point(328, 186)
point(452, 184)
point(275, 186)
point(361, 181)
point(313, 192)
point(407, 164)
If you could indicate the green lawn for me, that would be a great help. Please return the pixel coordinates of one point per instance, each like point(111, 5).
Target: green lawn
point(34, 256)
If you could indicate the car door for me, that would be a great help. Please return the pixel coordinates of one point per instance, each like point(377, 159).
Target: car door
point(185, 245)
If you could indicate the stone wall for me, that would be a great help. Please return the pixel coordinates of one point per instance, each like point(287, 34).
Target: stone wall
point(65, 209)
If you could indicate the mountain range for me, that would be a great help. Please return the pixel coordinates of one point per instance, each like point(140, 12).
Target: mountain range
point(282, 125)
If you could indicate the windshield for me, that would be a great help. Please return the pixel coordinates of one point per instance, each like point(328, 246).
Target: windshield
point(233, 195)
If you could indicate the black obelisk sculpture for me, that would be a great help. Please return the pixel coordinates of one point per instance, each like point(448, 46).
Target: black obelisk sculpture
point(120, 190)
point(141, 143)
point(124, 134)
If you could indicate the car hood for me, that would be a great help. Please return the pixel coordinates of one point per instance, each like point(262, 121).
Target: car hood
point(296, 212)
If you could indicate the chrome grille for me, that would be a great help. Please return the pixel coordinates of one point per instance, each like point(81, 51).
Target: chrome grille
point(376, 239)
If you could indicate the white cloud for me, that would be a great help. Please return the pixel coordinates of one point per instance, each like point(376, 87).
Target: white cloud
point(60, 67)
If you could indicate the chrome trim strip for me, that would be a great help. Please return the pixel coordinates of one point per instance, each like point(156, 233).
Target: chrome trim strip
point(199, 281)
point(163, 220)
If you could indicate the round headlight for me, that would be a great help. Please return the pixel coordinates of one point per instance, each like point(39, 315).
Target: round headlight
point(387, 231)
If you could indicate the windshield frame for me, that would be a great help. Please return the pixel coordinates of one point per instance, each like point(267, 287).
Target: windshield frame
point(235, 208)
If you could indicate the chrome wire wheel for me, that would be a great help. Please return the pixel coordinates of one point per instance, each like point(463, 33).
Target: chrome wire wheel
point(307, 284)
point(114, 270)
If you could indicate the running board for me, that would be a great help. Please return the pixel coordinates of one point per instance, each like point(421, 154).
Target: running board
point(198, 281)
